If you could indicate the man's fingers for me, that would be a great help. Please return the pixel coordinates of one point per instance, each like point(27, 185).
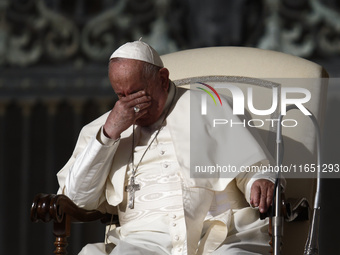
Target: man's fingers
point(134, 99)
point(141, 107)
point(141, 100)
point(133, 96)
point(255, 195)
point(263, 199)
point(262, 194)
point(270, 193)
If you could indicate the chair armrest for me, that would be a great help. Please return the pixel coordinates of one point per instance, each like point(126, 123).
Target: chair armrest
point(47, 207)
point(62, 211)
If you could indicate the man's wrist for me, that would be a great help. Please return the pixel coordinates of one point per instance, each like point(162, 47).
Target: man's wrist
point(104, 139)
point(111, 136)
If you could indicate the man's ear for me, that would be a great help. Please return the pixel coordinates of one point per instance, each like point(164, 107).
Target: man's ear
point(164, 75)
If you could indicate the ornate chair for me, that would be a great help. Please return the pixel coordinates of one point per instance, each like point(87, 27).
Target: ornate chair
point(243, 67)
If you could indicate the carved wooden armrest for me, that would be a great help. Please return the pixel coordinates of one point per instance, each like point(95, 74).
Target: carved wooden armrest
point(62, 211)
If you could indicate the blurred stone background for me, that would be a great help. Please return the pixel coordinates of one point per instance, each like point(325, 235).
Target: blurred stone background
point(53, 80)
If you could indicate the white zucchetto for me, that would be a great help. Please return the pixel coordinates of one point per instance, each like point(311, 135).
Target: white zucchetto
point(138, 50)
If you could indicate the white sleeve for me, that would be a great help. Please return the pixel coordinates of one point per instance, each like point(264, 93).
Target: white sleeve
point(86, 179)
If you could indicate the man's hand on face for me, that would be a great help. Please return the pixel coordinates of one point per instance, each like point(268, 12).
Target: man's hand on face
point(123, 114)
point(261, 194)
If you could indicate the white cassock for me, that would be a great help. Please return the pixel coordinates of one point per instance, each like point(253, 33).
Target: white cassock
point(173, 212)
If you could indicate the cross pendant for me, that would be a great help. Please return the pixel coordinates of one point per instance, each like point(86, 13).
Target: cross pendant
point(131, 189)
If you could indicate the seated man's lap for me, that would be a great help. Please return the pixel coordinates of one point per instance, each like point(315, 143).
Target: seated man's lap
point(247, 234)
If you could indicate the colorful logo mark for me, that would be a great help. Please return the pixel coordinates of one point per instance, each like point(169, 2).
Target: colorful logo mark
point(209, 93)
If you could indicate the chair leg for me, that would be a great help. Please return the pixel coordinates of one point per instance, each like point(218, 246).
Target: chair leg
point(60, 245)
point(62, 232)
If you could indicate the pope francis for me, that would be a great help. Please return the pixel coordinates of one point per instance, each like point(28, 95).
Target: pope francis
point(138, 160)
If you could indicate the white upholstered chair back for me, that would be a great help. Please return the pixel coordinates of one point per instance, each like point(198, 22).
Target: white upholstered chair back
point(263, 70)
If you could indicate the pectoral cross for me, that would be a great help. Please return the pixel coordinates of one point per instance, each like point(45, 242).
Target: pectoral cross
point(131, 189)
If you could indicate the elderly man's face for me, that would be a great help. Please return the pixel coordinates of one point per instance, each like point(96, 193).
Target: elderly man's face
point(126, 78)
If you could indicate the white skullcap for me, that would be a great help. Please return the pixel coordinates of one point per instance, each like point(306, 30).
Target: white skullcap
point(138, 50)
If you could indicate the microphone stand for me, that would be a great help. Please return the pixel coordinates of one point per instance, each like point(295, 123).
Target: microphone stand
point(312, 243)
point(311, 247)
point(277, 218)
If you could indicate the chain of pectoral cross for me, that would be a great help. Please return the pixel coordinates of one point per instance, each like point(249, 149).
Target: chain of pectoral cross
point(132, 187)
